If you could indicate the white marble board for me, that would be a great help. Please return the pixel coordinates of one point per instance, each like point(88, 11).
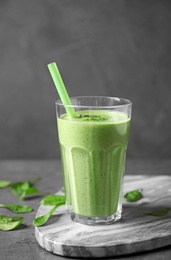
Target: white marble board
point(134, 233)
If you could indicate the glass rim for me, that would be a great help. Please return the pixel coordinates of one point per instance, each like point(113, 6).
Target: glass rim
point(127, 102)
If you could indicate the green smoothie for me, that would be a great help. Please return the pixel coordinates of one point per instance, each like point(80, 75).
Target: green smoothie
point(93, 150)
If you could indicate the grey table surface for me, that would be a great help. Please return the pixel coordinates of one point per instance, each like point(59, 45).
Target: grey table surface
point(21, 243)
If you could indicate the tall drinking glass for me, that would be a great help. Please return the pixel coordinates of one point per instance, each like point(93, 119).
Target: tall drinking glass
point(93, 147)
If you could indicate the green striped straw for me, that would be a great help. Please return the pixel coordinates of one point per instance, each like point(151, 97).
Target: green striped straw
point(59, 84)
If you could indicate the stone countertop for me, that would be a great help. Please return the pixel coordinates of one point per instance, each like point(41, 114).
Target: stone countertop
point(20, 244)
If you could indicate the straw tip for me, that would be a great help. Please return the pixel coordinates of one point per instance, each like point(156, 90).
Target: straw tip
point(53, 63)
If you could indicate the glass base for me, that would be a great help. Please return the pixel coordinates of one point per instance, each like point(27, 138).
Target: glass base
point(106, 220)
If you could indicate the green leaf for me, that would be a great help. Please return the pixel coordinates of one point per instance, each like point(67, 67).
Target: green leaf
point(23, 189)
point(156, 213)
point(53, 200)
point(17, 208)
point(4, 184)
point(133, 196)
point(9, 223)
point(19, 187)
point(39, 221)
point(29, 191)
point(94, 118)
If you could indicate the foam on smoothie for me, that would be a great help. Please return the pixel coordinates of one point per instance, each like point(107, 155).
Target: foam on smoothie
point(97, 116)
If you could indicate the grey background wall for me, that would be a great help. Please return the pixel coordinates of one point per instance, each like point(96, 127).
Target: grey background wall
point(102, 47)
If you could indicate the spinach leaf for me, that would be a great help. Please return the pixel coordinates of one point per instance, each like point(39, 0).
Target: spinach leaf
point(156, 213)
point(39, 221)
point(4, 184)
point(17, 208)
point(53, 200)
point(9, 223)
point(133, 196)
point(19, 187)
point(29, 191)
point(23, 189)
point(94, 118)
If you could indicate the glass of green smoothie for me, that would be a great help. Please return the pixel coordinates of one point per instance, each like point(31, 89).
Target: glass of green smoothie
point(93, 143)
